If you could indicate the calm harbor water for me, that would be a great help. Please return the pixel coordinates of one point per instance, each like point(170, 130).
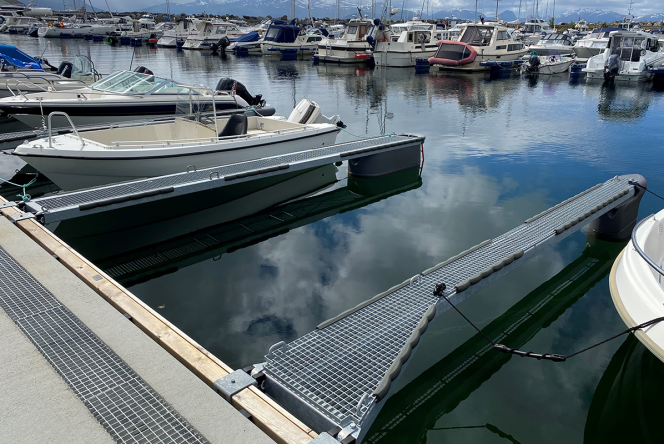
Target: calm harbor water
point(497, 152)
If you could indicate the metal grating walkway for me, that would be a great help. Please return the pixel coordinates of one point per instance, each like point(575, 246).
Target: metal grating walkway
point(104, 198)
point(124, 404)
point(330, 374)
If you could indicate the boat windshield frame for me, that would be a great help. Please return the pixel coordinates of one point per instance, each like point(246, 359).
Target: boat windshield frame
point(116, 83)
point(642, 253)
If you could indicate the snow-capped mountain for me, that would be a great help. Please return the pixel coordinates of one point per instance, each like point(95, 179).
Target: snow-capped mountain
point(590, 15)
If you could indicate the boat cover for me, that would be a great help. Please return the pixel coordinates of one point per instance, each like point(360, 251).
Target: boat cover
point(453, 53)
point(253, 36)
point(11, 55)
point(282, 33)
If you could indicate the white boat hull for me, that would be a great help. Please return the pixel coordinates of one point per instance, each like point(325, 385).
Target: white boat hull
point(555, 68)
point(475, 66)
point(401, 59)
point(636, 288)
point(75, 173)
point(167, 42)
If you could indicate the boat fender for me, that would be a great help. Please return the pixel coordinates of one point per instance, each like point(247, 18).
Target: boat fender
point(393, 372)
point(488, 271)
point(371, 41)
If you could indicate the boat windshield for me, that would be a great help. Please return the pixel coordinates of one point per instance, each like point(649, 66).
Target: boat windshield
point(477, 35)
point(127, 82)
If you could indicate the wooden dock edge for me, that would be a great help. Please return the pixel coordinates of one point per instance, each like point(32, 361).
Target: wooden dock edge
point(270, 417)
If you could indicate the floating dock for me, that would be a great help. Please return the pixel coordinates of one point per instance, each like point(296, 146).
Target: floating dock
point(338, 377)
point(105, 198)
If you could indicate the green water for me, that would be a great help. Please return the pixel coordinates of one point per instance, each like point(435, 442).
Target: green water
point(248, 273)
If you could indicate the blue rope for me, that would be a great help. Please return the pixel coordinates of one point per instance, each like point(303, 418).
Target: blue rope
point(25, 197)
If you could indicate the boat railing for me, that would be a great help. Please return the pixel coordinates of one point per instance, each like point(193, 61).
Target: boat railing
point(199, 140)
point(642, 253)
point(73, 127)
point(29, 84)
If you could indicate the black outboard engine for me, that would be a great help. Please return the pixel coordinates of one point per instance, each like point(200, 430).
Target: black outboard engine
point(534, 63)
point(65, 69)
point(143, 70)
point(221, 44)
point(227, 84)
point(612, 67)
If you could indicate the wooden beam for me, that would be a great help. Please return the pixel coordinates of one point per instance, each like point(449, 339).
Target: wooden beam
point(270, 417)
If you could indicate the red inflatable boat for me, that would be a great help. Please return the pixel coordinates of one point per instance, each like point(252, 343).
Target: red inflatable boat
point(453, 53)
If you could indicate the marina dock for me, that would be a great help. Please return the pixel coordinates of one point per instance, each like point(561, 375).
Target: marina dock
point(339, 376)
point(103, 364)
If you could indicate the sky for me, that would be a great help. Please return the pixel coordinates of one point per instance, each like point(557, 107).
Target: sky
point(640, 7)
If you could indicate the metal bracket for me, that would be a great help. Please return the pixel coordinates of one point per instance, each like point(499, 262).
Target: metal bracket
point(8, 205)
point(23, 216)
point(324, 438)
point(233, 383)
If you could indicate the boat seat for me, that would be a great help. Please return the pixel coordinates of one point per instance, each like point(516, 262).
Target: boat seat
point(237, 125)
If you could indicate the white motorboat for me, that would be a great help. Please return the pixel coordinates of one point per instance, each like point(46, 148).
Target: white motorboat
point(171, 37)
point(533, 31)
point(287, 37)
point(98, 157)
point(352, 47)
point(70, 75)
point(478, 43)
point(628, 57)
point(123, 96)
point(59, 30)
point(143, 28)
point(559, 43)
point(208, 33)
point(403, 44)
point(18, 24)
point(594, 43)
point(637, 282)
point(552, 63)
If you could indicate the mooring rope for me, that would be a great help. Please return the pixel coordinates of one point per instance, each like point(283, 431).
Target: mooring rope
point(24, 196)
point(438, 291)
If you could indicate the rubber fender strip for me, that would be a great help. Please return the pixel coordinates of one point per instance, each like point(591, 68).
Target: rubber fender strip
point(488, 271)
point(361, 305)
point(587, 214)
point(452, 259)
point(256, 172)
point(384, 385)
point(537, 216)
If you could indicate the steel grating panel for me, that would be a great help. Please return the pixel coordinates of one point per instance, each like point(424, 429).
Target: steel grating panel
point(331, 368)
point(76, 198)
point(124, 404)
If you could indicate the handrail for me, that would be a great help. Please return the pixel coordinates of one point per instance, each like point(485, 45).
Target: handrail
point(212, 139)
point(62, 113)
point(638, 249)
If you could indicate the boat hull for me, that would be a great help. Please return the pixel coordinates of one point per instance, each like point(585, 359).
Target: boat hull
point(586, 52)
point(635, 290)
point(401, 59)
point(71, 173)
point(475, 66)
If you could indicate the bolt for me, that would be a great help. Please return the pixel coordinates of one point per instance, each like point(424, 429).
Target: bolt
point(353, 425)
point(232, 381)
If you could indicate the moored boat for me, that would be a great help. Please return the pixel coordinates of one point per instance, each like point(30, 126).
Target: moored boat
point(477, 44)
point(98, 157)
point(126, 95)
point(352, 47)
point(628, 57)
point(403, 44)
point(637, 282)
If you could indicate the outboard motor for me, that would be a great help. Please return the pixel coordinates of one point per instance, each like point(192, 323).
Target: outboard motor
point(612, 67)
point(534, 63)
point(65, 69)
point(143, 70)
point(227, 84)
point(222, 43)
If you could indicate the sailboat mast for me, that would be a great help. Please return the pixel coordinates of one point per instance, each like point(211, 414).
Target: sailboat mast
point(311, 19)
point(518, 17)
point(475, 11)
point(168, 10)
point(496, 10)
